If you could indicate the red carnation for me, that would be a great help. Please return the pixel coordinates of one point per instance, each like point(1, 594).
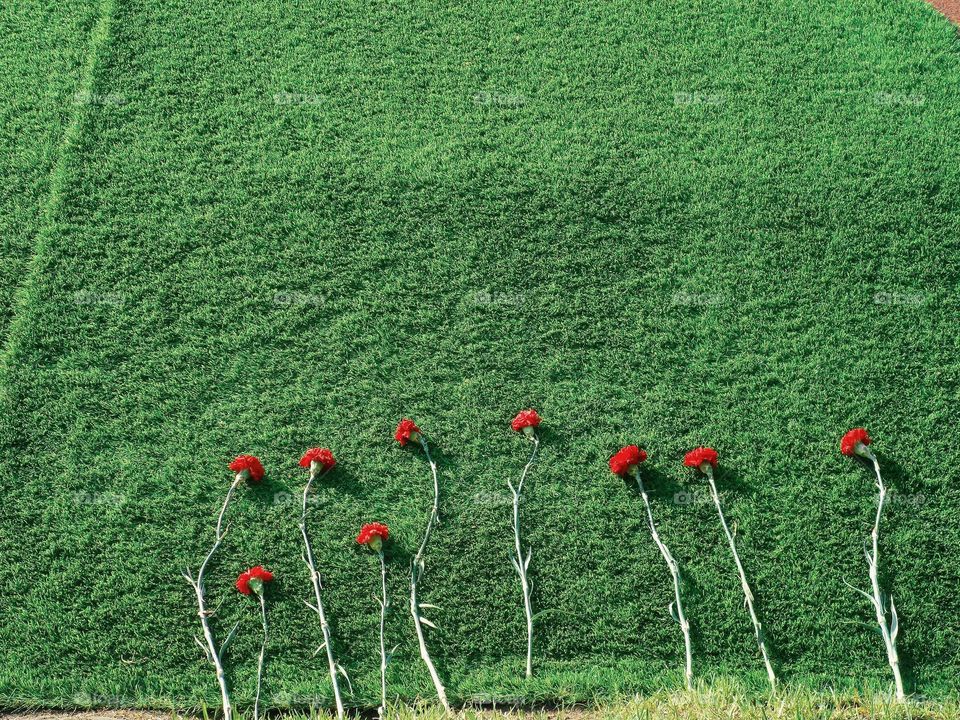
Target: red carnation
point(696, 458)
point(261, 573)
point(407, 430)
point(626, 460)
point(321, 456)
point(849, 442)
point(525, 419)
point(249, 464)
point(255, 575)
point(373, 534)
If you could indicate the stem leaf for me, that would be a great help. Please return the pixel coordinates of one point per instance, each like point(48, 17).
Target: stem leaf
point(673, 611)
point(226, 643)
point(346, 677)
point(894, 621)
point(206, 650)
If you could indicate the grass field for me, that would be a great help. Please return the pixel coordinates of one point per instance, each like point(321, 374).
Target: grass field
point(290, 224)
point(44, 49)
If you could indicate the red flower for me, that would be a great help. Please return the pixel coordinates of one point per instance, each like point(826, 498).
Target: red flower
point(373, 534)
point(525, 419)
point(257, 574)
point(406, 431)
point(249, 464)
point(696, 458)
point(626, 460)
point(260, 573)
point(323, 457)
point(848, 443)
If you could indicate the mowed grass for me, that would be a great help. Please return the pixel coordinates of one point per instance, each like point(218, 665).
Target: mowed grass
point(665, 224)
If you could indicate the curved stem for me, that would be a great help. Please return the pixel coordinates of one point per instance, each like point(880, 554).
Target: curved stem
point(747, 593)
point(213, 653)
point(384, 603)
point(415, 574)
point(519, 563)
point(317, 587)
point(263, 651)
point(675, 574)
point(888, 632)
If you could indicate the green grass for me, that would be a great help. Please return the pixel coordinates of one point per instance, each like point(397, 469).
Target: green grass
point(43, 49)
point(708, 706)
point(669, 224)
point(724, 701)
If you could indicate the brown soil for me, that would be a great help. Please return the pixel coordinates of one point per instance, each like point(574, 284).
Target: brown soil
point(950, 8)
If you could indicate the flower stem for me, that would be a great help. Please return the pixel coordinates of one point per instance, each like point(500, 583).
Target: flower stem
point(675, 574)
point(519, 562)
point(747, 593)
point(263, 651)
point(213, 653)
point(888, 631)
point(415, 574)
point(384, 604)
point(317, 587)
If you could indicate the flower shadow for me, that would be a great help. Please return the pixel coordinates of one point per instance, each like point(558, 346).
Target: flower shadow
point(730, 482)
point(663, 489)
point(341, 480)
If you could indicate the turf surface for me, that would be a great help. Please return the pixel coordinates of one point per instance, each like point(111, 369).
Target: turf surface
point(657, 223)
point(43, 52)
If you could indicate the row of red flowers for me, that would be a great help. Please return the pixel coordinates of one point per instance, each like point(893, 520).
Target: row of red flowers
point(622, 462)
point(625, 463)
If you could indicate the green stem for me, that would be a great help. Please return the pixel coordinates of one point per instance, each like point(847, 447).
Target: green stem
point(747, 593)
point(263, 651)
point(382, 711)
point(415, 574)
point(675, 574)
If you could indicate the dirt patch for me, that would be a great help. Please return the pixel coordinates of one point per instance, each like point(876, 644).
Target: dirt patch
point(95, 715)
point(950, 8)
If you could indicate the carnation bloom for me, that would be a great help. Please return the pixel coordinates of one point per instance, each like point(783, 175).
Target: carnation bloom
point(626, 460)
point(407, 430)
point(525, 419)
point(321, 456)
point(253, 579)
point(696, 458)
point(249, 464)
point(849, 442)
point(372, 535)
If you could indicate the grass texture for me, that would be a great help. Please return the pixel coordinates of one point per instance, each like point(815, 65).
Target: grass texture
point(673, 224)
point(43, 49)
point(723, 701)
point(726, 701)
